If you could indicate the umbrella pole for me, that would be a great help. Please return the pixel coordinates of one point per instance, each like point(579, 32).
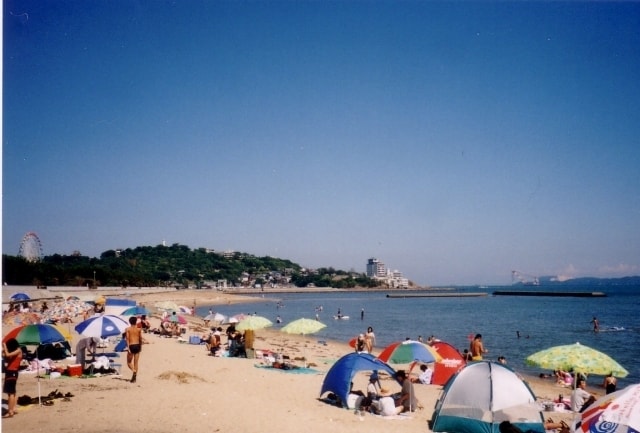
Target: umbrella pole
point(38, 376)
point(304, 352)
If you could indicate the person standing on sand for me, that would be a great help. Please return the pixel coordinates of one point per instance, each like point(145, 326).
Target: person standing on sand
point(12, 355)
point(477, 348)
point(133, 336)
point(610, 383)
point(369, 339)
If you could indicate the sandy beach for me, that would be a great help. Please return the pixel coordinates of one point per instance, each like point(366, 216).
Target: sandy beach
point(181, 388)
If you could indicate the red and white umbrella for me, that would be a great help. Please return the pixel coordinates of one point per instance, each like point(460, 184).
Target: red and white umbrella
point(618, 412)
point(175, 318)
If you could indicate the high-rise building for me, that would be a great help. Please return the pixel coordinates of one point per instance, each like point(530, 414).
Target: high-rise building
point(376, 269)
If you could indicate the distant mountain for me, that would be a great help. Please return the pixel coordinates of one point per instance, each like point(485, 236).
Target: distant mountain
point(588, 281)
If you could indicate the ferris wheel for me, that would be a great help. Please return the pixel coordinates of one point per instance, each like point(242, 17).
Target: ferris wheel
point(31, 247)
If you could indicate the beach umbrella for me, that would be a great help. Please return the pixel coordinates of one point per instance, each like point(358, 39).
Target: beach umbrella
point(404, 352)
point(184, 309)
point(578, 357)
point(66, 310)
point(303, 327)
point(36, 335)
point(16, 318)
point(19, 297)
point(175, 318)
point(215, 317)
point(253, 322)
point(102, 326)
point(65, 332)
point(236, 318)
point(167, 305)
point(135, 311)
point(618, 412)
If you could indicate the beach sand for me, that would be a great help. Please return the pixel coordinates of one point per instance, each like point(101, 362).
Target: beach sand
point(182, 389)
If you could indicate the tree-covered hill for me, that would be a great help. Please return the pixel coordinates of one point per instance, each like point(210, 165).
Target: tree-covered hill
point(175, 265)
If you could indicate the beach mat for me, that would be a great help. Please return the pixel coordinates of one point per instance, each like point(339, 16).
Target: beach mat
point(294, 370)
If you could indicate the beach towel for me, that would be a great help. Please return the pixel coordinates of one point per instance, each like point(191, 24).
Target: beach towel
point(294, 370)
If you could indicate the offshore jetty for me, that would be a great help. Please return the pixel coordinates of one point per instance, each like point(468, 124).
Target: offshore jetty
point(437, 295)
point(548, 293)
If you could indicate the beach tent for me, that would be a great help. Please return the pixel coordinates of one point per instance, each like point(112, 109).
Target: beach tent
point(339, 377)
point(482, 395)
point(115, 306)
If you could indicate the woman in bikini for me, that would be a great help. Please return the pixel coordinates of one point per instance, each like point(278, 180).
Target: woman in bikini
point(133, 336)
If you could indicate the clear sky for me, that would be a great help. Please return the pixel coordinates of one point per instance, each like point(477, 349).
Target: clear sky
point(454, 141)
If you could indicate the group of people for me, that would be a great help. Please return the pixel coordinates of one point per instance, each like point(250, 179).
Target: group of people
point(236, 345)
point(365, 342)
point(382, 401)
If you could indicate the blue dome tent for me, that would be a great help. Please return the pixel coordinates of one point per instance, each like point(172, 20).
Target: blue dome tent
point(339, 377)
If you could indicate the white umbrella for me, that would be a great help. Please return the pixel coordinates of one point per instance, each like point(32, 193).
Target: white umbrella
point(102, 326)
point(215, 317)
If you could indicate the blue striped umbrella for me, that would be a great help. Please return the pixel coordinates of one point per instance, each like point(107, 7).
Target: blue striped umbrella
point(102, 326)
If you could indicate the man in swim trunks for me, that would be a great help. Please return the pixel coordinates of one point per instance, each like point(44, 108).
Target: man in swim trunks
point(133, 336)
point(477, 348)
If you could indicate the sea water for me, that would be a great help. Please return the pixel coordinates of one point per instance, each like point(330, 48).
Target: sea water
point(542, 322)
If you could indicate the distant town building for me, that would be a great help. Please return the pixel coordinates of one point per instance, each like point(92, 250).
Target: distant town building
point(376, 269)
point(394, 279)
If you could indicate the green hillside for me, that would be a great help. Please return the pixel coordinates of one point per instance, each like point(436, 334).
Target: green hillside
point(176, 265)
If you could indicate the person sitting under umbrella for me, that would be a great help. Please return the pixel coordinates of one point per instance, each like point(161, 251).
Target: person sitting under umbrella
point(580, 398)
point(425, 375)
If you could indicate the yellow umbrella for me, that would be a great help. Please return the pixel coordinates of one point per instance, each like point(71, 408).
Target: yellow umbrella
point(303, 327)
point(578, 357)
point(253, 323)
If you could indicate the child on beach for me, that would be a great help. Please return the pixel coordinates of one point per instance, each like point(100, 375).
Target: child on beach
point(133, 337)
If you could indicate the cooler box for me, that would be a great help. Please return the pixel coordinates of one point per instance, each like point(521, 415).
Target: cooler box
point(194, 339)
point(75, 370)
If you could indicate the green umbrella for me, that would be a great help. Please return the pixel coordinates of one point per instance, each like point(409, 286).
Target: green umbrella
point(580, 358)
point(253, 322)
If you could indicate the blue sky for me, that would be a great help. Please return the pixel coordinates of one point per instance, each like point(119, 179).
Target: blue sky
point(454, 141)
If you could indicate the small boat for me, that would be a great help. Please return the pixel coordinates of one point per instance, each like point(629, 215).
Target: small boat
point(341, 317)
